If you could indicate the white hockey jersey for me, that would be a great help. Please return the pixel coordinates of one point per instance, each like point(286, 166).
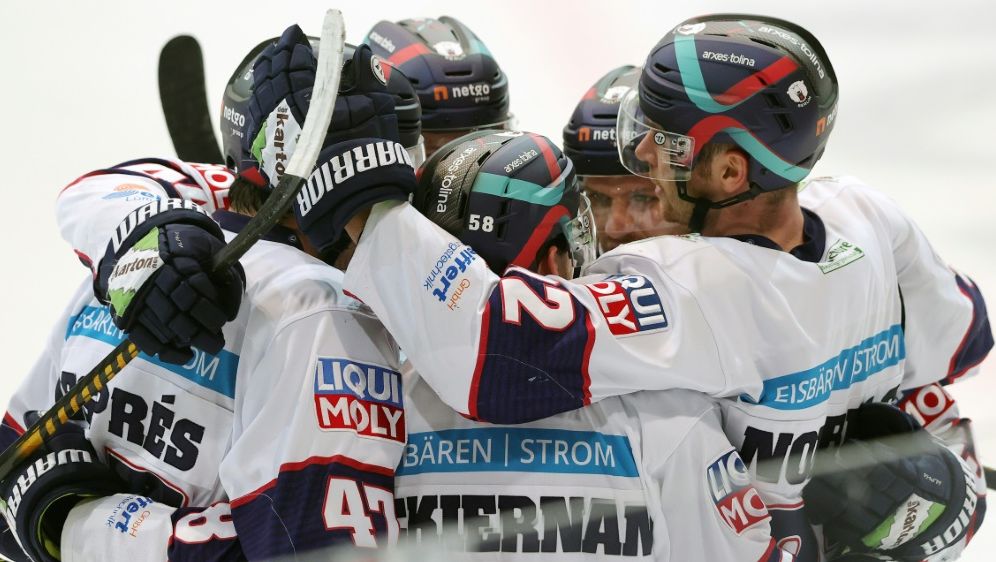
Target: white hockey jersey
point(284, 442)
point(793, 340)
point(647, 476)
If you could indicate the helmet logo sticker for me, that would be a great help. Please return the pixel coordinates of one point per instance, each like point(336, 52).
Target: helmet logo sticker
point(378, 70)
point(798, 93)
point(615, 94)
point(691, 28)
point(660, 138)
point(449, 49)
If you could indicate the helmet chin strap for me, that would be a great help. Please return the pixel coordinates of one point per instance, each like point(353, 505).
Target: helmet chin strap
point(703, 205)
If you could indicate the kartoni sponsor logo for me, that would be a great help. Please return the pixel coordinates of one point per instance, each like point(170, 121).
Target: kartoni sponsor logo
point(144, 213)
point(38, 469)
point(279, 139)
point(384, 42)
point(522, 158)
point(126, 267)
point(446, 186)
point(343, 167)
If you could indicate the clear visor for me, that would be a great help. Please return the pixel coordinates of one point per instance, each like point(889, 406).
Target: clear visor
point(580, 234)
point(417, 152)
point(647, 150)
point(510, 123)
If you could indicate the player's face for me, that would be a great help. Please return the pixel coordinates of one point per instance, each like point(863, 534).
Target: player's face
point(673, 209)
point(626, 208)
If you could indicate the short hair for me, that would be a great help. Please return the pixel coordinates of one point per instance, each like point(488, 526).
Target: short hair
point(245, 197)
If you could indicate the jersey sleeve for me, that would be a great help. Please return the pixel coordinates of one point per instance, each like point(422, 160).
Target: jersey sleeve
point(90, 208)
point(938, 413)
point(521, 347)
point(35, 394)
point(706, 492)
point(947, 327)
point(319, 430)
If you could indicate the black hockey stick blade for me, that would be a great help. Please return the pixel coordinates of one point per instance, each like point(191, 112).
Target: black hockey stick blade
point(316, 124)
point(183, 96)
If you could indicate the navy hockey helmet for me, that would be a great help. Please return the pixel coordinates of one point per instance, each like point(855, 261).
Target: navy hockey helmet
point(506, 194)
point(458, 80)
point(235, 103)
point(757, 82)
point(590, 135)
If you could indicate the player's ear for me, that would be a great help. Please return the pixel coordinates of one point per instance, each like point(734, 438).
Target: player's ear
point(730, 170)
point(549, 261)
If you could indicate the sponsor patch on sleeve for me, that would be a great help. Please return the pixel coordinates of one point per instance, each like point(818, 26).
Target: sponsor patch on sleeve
point(365, 399)
point(630, 304)
point(737, 501)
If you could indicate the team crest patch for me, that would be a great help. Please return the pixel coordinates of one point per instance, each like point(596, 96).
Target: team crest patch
point(840, 254)
point(630, 304)
point(737, 501)
point(365, 399)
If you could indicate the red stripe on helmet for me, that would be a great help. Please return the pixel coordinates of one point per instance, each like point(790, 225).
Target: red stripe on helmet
point(757, 81)
point(408, 53)
point(527, 255)
point(547, 151)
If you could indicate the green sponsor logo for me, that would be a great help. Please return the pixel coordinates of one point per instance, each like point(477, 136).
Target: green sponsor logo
point(840, 254)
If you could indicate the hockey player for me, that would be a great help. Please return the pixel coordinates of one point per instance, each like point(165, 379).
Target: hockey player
point(459, 83)
point(790, 307)
point(648, 476)
point(282, 442)
point(708, 314)
point(626, 207)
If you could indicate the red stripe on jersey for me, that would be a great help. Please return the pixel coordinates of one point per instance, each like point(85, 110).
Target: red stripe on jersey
point(83, 177)
point(767, 556)
point(787, 506)
point(588, 346)
point(138, 468)
point(482, 350)
point(757, 81)
point(300, 465)
point(12, 423)
point(952, 375)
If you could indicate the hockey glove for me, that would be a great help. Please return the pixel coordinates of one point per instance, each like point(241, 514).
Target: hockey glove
point(362, 161)
point(156, 276)
point(892, 488)
point(38, 494)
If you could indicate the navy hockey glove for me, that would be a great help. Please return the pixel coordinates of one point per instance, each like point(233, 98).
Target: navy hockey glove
point(38, 494)
point(892, 488)
point(362, 162)
point(156, 276)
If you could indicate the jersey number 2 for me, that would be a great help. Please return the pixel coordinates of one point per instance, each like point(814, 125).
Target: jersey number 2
point(553, 311)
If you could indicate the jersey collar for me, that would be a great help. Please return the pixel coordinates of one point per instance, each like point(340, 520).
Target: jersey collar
point(234, 222)
point(814, 239)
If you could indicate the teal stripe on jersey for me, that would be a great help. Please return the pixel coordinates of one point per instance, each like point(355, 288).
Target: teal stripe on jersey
point(528, 449)
point(216, 372)
point(851, 366)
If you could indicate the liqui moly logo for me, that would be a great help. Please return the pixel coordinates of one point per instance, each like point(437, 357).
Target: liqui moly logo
point(365, 399)
point(630, 304)
point(737, 501)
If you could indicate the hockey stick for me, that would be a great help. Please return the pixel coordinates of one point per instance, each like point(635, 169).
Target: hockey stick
point(183, 96)
point(316, 124)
